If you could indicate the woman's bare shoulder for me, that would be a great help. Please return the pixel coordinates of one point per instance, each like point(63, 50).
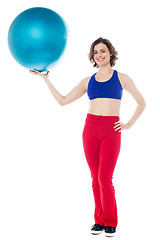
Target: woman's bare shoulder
point(123, 75)
point(86, 81)
point(124, 79)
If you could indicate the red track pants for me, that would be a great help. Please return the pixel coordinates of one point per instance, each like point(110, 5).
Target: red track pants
point(101, 147)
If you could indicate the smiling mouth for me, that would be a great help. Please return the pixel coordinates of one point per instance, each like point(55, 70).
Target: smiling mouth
point(100, 59)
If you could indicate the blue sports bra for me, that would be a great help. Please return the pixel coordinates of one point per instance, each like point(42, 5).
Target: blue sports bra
point(111, 88)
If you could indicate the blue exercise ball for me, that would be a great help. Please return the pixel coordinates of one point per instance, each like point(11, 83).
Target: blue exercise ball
point(37, 38)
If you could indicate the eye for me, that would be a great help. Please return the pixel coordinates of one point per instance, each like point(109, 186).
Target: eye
point(95, 52)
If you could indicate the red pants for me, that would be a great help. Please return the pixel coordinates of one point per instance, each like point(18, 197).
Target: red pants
point(101, 147)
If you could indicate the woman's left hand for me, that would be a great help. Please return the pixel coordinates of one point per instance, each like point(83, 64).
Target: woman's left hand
point(119, 126)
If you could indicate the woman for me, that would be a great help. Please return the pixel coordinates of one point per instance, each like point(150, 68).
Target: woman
point(102, 130)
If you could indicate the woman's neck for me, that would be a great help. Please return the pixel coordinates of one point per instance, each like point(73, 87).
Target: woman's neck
point(105, 70)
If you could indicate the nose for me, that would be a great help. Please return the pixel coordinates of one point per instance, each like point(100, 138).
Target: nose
point(99, 55)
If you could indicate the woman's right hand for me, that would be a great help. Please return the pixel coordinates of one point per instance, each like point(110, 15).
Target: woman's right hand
point(38, 73)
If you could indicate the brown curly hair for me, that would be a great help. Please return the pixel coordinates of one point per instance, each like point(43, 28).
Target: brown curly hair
point(110, 47)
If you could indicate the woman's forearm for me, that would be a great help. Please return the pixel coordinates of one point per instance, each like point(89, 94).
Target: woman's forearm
point(55, 93)
point(136, 115)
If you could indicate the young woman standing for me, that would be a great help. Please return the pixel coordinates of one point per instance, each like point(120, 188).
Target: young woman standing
point(102, 129)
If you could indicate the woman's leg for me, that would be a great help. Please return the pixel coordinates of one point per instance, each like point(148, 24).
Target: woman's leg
point(91, 148)
point(109, 151)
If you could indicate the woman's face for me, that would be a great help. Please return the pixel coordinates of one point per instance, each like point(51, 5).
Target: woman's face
point(101, 54)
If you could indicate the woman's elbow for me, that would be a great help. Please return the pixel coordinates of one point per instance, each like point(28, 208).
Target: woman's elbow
point(142, 103)
point(62, 102)
point(145, 104)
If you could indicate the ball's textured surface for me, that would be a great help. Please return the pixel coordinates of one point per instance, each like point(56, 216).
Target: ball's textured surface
point(37, 38)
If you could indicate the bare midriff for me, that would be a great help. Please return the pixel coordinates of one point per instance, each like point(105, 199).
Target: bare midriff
point(105, 107)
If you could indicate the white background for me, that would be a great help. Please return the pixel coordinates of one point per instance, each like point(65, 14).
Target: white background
point(45, 183)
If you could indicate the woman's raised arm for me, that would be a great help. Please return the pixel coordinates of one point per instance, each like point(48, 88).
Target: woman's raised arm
point(73, 95)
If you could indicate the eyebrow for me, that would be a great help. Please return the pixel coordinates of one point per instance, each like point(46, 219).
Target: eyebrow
point(100, 49)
